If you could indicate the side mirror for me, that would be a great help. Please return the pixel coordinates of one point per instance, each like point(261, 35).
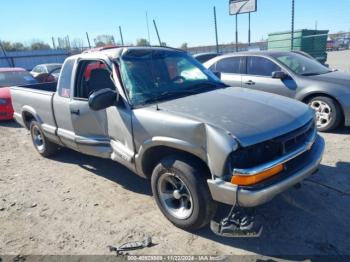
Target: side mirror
point(279, 75)
point(103, 99)
point(218, 74)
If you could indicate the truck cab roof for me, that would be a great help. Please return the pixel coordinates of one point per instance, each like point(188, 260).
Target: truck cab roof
point(117, 51)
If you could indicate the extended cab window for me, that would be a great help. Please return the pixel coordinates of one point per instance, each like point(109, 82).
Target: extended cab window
point(65, 79)
point(92, 76)
point(229, 65)
point(261, 66)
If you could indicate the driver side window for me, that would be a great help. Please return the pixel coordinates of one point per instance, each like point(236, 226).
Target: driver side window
point(261, 66)
point(93, 75)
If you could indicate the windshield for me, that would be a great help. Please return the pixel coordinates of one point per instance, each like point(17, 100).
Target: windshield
point(154, 75)
point(16, 78)
point(55, 68)
point(301, 65)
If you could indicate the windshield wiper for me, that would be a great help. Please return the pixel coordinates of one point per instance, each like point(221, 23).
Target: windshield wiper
point(199, 86)
point(194, 89)
point(162, 96)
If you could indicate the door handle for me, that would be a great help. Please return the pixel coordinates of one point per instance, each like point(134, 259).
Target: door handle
point(75, 112)
point(250, 83)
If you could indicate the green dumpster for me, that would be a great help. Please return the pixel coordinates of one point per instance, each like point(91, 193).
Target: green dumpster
point(313, 42)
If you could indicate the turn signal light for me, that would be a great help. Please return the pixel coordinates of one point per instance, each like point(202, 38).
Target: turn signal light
point(244, 180)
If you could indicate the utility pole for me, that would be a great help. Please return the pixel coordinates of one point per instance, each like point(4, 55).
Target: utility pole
point(53, 43)
point(121, 35)
point(236, 32)
point(88, 39)
point(156, 28)
point(249, 29)
point(5, 55)
point(149, 36)
point(292, 34)
point(216, 31)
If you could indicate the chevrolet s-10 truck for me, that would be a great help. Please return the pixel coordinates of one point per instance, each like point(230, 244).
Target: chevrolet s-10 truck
point(160, 113)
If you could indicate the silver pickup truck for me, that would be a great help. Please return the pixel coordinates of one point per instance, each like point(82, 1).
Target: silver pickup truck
point(163, 115)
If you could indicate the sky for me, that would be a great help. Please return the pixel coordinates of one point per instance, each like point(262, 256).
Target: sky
point(178, 21)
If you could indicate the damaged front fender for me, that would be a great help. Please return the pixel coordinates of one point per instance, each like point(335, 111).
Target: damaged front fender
point(156, 128)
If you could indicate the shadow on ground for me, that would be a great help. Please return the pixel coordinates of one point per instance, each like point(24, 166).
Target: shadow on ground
point(106, 168)
point(9, 124)
point(309, 221)
point(342, 131)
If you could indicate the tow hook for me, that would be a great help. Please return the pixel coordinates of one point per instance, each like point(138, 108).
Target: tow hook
point(238, 223)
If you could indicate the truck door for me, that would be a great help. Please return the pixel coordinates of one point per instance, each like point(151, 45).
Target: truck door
point(61, 105)
point(90, 127)
point(259, 77)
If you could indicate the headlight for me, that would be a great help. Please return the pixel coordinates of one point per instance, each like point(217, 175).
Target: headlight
point(3, 101)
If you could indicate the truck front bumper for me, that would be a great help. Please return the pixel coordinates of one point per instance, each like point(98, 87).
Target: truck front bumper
point(303, 166)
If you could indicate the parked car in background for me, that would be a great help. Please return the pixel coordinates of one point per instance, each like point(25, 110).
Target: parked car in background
point(293, 75)
point(204, 57)
point(332, 45)
point(47, 72)
point(160, 113)
point(11, 77)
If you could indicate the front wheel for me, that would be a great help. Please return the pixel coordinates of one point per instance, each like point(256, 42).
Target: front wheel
point(181, 192)
point(328, 113)
point(45, 147)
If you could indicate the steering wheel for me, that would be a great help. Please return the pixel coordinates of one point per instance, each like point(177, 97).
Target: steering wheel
point(178, 79)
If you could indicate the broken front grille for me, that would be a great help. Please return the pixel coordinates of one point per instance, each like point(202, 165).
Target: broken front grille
point(270, 150)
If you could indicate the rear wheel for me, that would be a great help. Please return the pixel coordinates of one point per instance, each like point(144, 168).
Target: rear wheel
point(45, 147)
point(181, 192)
point(328, 113)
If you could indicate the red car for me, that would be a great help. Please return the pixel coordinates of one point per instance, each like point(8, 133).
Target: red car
point(11, 77)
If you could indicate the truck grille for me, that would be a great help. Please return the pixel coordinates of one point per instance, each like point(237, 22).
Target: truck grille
point(270, 150)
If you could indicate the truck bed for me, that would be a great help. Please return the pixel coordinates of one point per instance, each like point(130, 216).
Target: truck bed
point(37, 99)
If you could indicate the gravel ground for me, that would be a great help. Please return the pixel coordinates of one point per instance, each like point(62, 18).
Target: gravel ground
point(78, 205)
point(339, 60)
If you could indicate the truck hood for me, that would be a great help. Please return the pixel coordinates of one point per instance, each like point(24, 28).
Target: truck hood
point(250, 116)
point(336, 77)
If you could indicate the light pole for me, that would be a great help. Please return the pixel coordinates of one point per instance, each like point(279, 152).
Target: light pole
point(216, 31)
point(293, 12)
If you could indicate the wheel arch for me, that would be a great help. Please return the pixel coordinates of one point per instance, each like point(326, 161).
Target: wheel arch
point(28, 115)
point(305, 99)
point(150, 157)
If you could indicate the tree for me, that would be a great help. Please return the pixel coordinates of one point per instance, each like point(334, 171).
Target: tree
point(142, 42)
point(103, 40)
point(77, 43)
point(184, 46)
point(39, 45)
point(18, 47)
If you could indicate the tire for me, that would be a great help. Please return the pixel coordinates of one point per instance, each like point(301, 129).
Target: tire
point(326, 106)
point(45, 147)
point(198, 206)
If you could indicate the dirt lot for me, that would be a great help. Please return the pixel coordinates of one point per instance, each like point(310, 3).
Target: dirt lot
point(75, 204)
point(339, 60)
